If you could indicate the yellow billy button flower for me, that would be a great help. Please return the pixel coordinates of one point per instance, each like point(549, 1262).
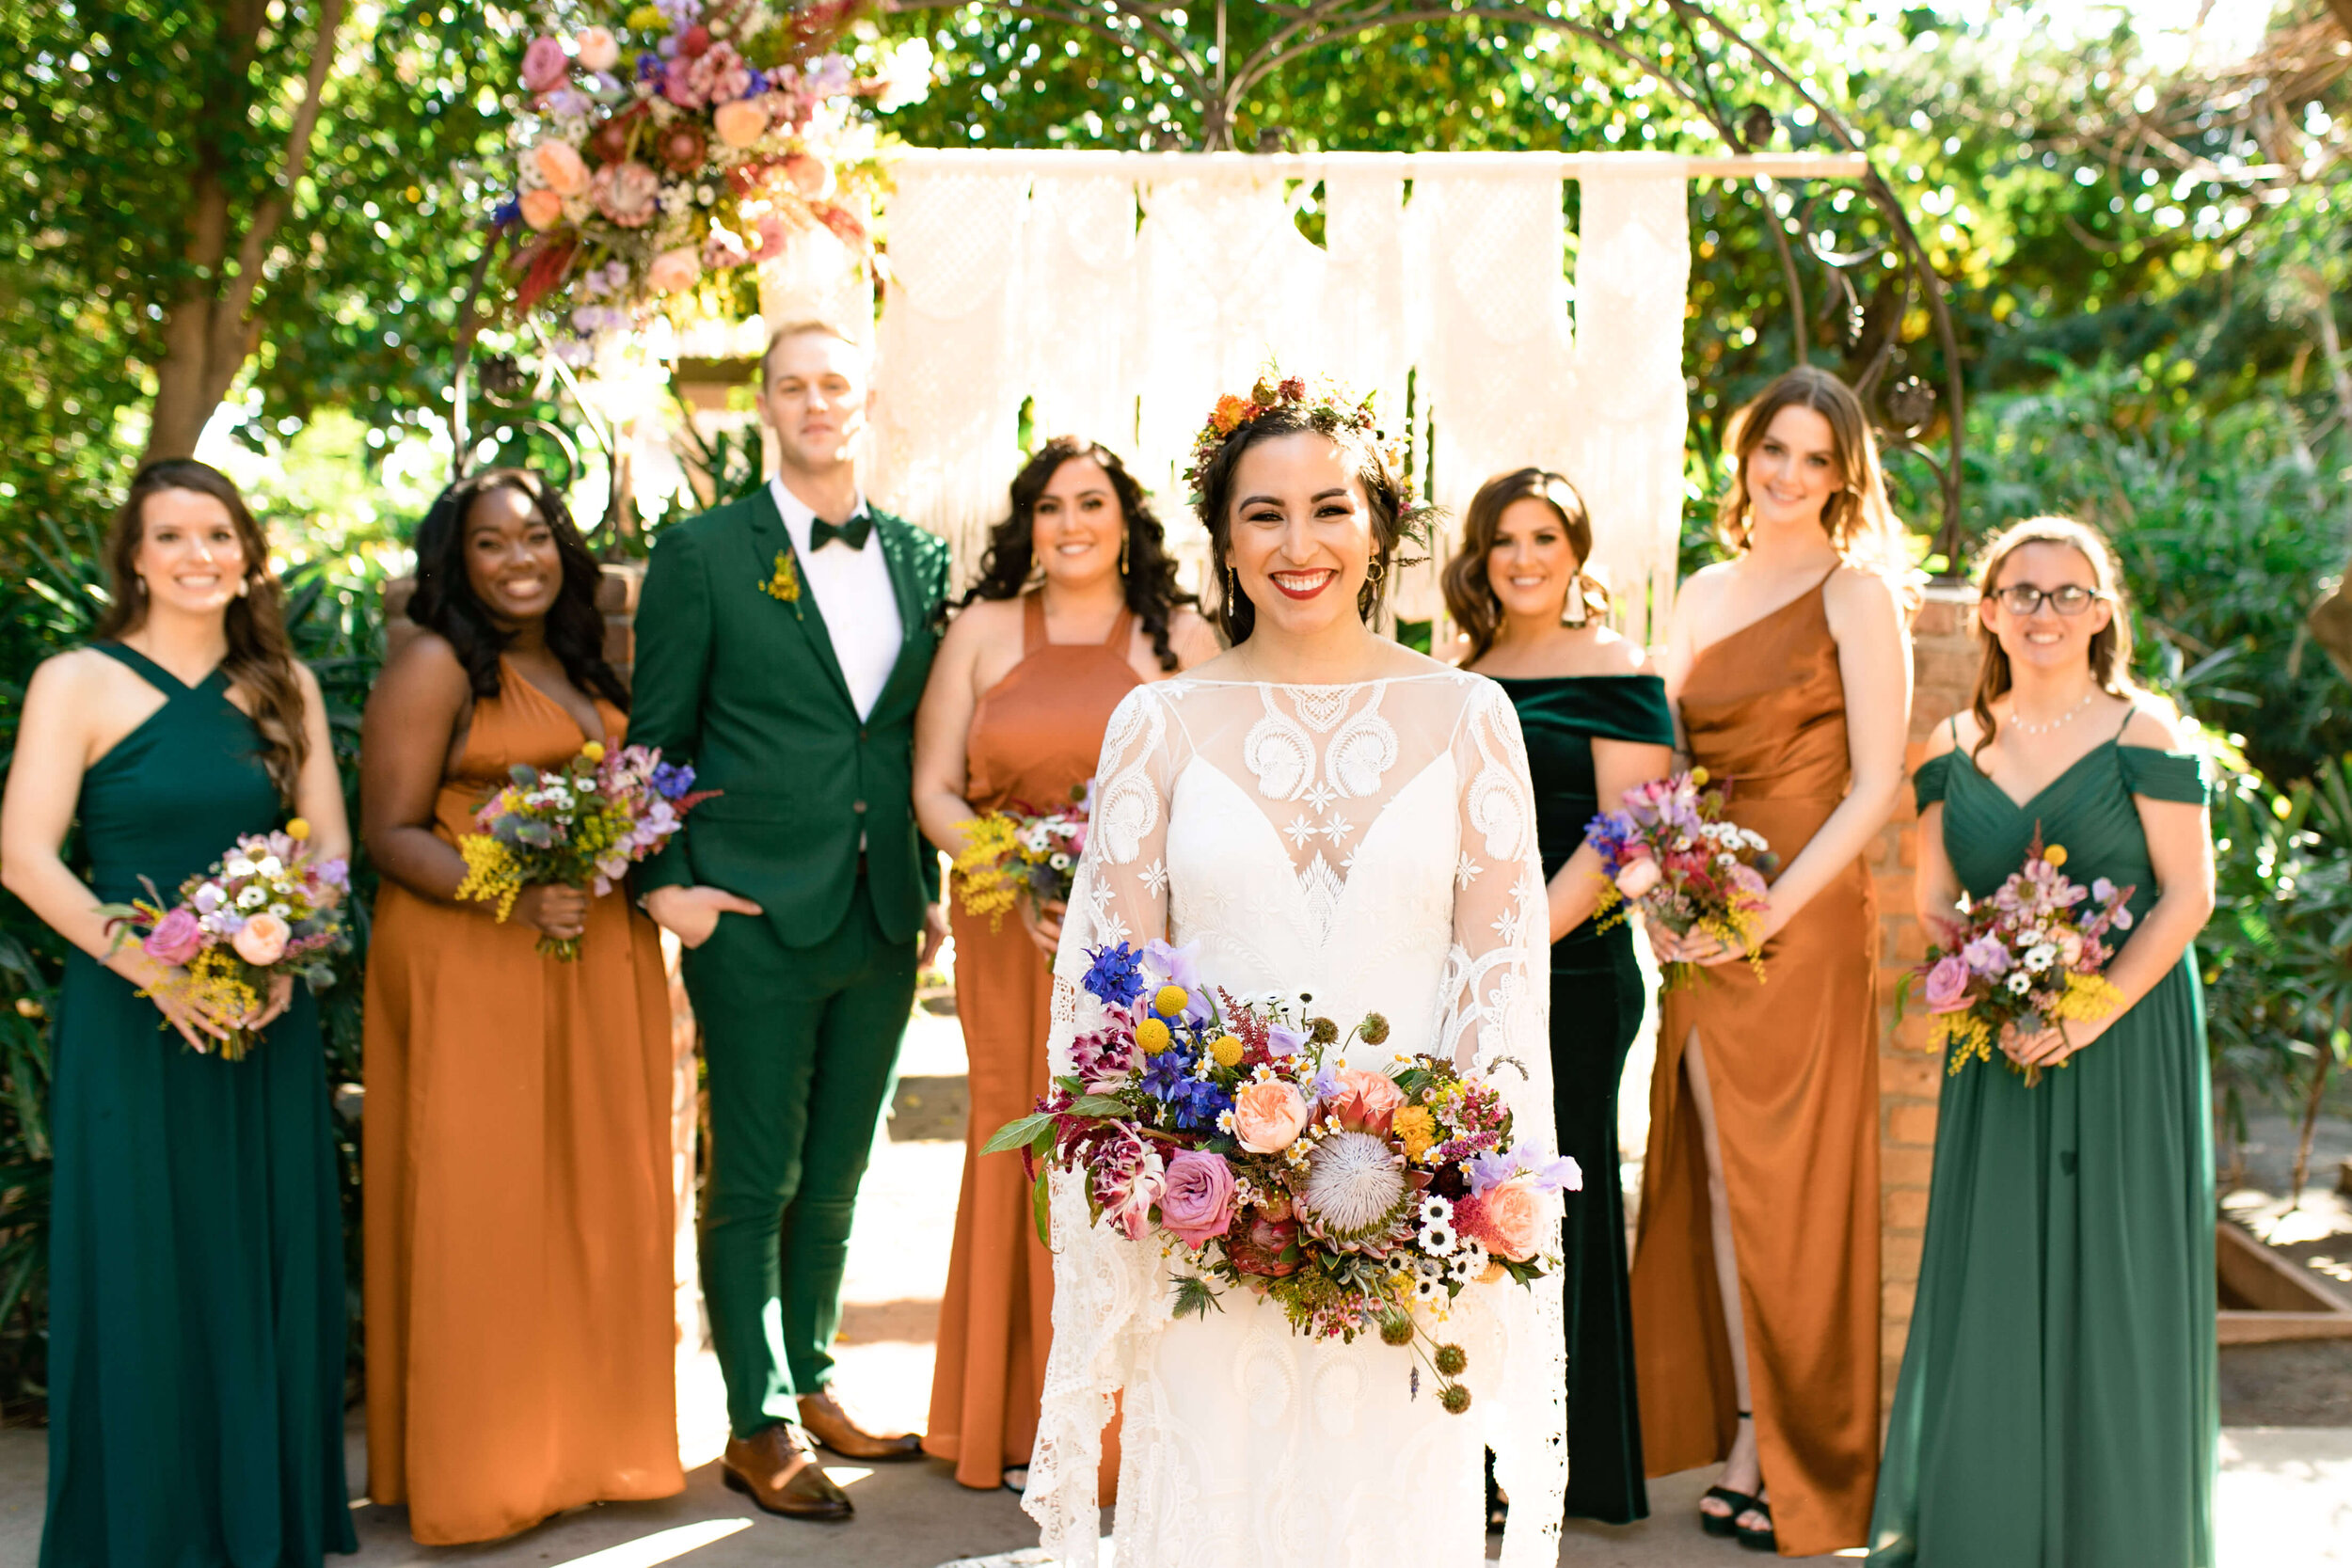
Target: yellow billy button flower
point(1154, 1037)
point(1226, 1049)
point(1170, 1000)
point(1698, 777)
point(297, 829)
point(594, 751)
point(2055, 854)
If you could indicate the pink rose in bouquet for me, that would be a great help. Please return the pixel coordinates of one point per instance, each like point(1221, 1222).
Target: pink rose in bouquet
point(1198, 1202)
point(261, 940)
point(1268, 1117)
point(1947, 984)
point(176, 938)
point(626, 192)
point(545, 65)
point(673, 271)
point(561, 165)
point(1638, 877)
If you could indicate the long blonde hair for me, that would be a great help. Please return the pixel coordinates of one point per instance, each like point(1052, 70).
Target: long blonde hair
point(1470, 594)
point(1859, 518)
point(2110, 646)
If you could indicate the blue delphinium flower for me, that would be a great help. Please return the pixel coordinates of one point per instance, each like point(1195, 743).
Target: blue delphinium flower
point(670, 782)
point(1198, 1101)
point(1166, 1075)
point(1115, 977)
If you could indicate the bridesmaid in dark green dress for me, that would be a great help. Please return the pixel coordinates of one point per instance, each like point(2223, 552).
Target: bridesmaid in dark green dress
point(2057, 1406)
point(195, 1279)
point(1596, 722)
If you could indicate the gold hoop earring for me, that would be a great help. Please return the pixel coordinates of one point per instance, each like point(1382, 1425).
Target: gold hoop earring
point(1373, 573)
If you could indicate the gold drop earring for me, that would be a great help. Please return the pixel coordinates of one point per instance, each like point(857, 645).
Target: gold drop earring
point(1122, 555)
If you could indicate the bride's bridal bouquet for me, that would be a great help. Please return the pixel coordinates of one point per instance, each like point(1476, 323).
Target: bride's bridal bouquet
point(2025, 957)
point(583, 824)
point(1009, 855)
point(1225, 1127)
point(268, 908)
point(1671, 851)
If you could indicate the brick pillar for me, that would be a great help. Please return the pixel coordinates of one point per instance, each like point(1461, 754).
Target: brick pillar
point(1944, 673)
point(616, 596)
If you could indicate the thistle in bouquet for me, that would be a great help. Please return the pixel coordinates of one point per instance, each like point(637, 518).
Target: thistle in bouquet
point(1229, 1128)
point(1021, 853)
point(1672, 852)
point(581, 825)
point(267, 914)
point(2030, 957)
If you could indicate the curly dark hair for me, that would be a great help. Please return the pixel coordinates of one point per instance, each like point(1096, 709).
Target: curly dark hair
point(1397, 519)
point(1150, 575)
point(444, 599)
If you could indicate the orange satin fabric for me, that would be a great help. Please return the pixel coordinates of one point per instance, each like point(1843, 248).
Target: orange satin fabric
point(1793, 1066)
point(521, 1342)
point(1035, 736)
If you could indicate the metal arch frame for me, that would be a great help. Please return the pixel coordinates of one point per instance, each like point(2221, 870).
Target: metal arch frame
point(1905, 406)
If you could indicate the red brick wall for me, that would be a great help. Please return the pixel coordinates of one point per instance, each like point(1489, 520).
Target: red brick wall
point(1943, 672)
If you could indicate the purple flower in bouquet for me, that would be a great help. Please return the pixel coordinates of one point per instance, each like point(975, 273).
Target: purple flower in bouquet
point(1281, 1040)
point(1114, 977)
point(1947, 984)
point(649, 67)
point(1166, 1074)
point(545, 64)
point(1197, 1102)
point(176, 938)
point(1985, 957)
point(1199, 1200)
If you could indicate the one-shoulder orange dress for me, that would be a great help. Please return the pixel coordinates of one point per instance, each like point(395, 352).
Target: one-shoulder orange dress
point(1036, 736)
point(1792, 1062)
point(521, 1340)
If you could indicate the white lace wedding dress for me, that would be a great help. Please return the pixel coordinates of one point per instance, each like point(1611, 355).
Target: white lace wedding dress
point(1373, 845)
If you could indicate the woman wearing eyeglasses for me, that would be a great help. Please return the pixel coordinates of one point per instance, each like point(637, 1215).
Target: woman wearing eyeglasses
point(2056, 1400)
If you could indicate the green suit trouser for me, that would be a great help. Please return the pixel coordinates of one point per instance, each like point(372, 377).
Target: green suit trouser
point(802, 1048)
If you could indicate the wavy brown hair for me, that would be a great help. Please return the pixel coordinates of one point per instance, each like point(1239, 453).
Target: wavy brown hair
point(260, 659)
point(1470, 591)
point(2110, 648)
point(1397, 519)
point(1149, 578)
point(1859, 518)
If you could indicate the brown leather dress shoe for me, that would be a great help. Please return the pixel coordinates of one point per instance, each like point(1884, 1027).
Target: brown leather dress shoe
point(777, 1471)
point(826, 1421)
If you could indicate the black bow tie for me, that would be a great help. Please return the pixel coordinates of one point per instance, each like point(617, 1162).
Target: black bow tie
point(852, 534)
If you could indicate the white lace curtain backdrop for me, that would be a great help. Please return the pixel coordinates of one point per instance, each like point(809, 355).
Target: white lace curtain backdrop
point(1122, 292)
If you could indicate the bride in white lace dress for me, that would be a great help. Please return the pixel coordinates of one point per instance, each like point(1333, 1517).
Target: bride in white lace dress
point(1321, 810)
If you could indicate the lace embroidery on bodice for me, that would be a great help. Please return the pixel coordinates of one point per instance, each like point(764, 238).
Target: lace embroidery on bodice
point(1373, 844)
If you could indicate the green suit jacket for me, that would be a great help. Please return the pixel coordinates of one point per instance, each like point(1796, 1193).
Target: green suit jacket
point(745, 685)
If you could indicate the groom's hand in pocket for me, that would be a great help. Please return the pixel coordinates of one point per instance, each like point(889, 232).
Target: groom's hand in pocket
point(692, 913)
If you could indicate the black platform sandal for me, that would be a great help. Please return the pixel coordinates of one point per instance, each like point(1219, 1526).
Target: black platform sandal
point(1014, 1479)
point(1756, 1539)
point(1725, 1525)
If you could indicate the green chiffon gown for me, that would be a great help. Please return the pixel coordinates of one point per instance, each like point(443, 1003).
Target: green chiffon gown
point(2057, 1407)
point(1596, 1002)
point(196, 1277)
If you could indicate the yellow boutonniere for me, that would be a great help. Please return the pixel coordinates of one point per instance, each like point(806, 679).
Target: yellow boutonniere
point(784, 583)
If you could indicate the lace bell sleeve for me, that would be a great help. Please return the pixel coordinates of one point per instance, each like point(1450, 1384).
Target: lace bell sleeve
point(1497, 1015)
point(1101, 1282)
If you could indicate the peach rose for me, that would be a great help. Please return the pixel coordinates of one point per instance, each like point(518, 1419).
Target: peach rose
point(1638, 877)
point(673, 270)
point(739, 123)
point(810, 175)
point(1367, 1101)
point(559, 164)
point(598, 49)
point(542, 208)
point(1268, 1117)
point(1512, 1218)
point(262, 940)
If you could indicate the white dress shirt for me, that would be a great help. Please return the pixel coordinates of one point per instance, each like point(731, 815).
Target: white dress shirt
point(853, 595)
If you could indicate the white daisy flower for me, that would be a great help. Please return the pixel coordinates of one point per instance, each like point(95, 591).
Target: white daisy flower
point(1435, 1210)
point(1437, 1236)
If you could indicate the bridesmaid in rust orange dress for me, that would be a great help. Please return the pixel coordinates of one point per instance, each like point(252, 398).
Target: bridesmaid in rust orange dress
point(1756, 1277)
point(520, 1337)
point(1020, 694)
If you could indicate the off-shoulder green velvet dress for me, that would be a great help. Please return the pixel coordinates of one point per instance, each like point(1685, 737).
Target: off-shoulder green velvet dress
point(196, 1252)
point(1596, 1002)
point(2057, 1407)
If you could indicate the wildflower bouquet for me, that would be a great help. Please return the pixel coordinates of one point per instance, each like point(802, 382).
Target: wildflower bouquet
point(665, 145)
point(1225, 1127)
point(2027, 957)
point(1672, 851)
point(1009, 853)
point(583, 825)
point(267, 908)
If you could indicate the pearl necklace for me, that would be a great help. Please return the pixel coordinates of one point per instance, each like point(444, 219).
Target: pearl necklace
point(2067, 718)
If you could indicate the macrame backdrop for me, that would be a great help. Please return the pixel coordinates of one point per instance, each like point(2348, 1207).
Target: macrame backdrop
point(1122, 292)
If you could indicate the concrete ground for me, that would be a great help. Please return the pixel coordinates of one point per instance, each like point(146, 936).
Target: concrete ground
point(2285, 1494)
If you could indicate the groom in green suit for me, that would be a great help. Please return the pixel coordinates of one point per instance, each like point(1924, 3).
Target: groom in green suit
point(782, 644)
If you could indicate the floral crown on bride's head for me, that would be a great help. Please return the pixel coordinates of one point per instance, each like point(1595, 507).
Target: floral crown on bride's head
point(1328, 405)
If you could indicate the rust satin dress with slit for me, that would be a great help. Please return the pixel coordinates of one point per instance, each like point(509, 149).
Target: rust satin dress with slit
point(522, 1338)
point(1792, 1062)
point(1036, 736)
